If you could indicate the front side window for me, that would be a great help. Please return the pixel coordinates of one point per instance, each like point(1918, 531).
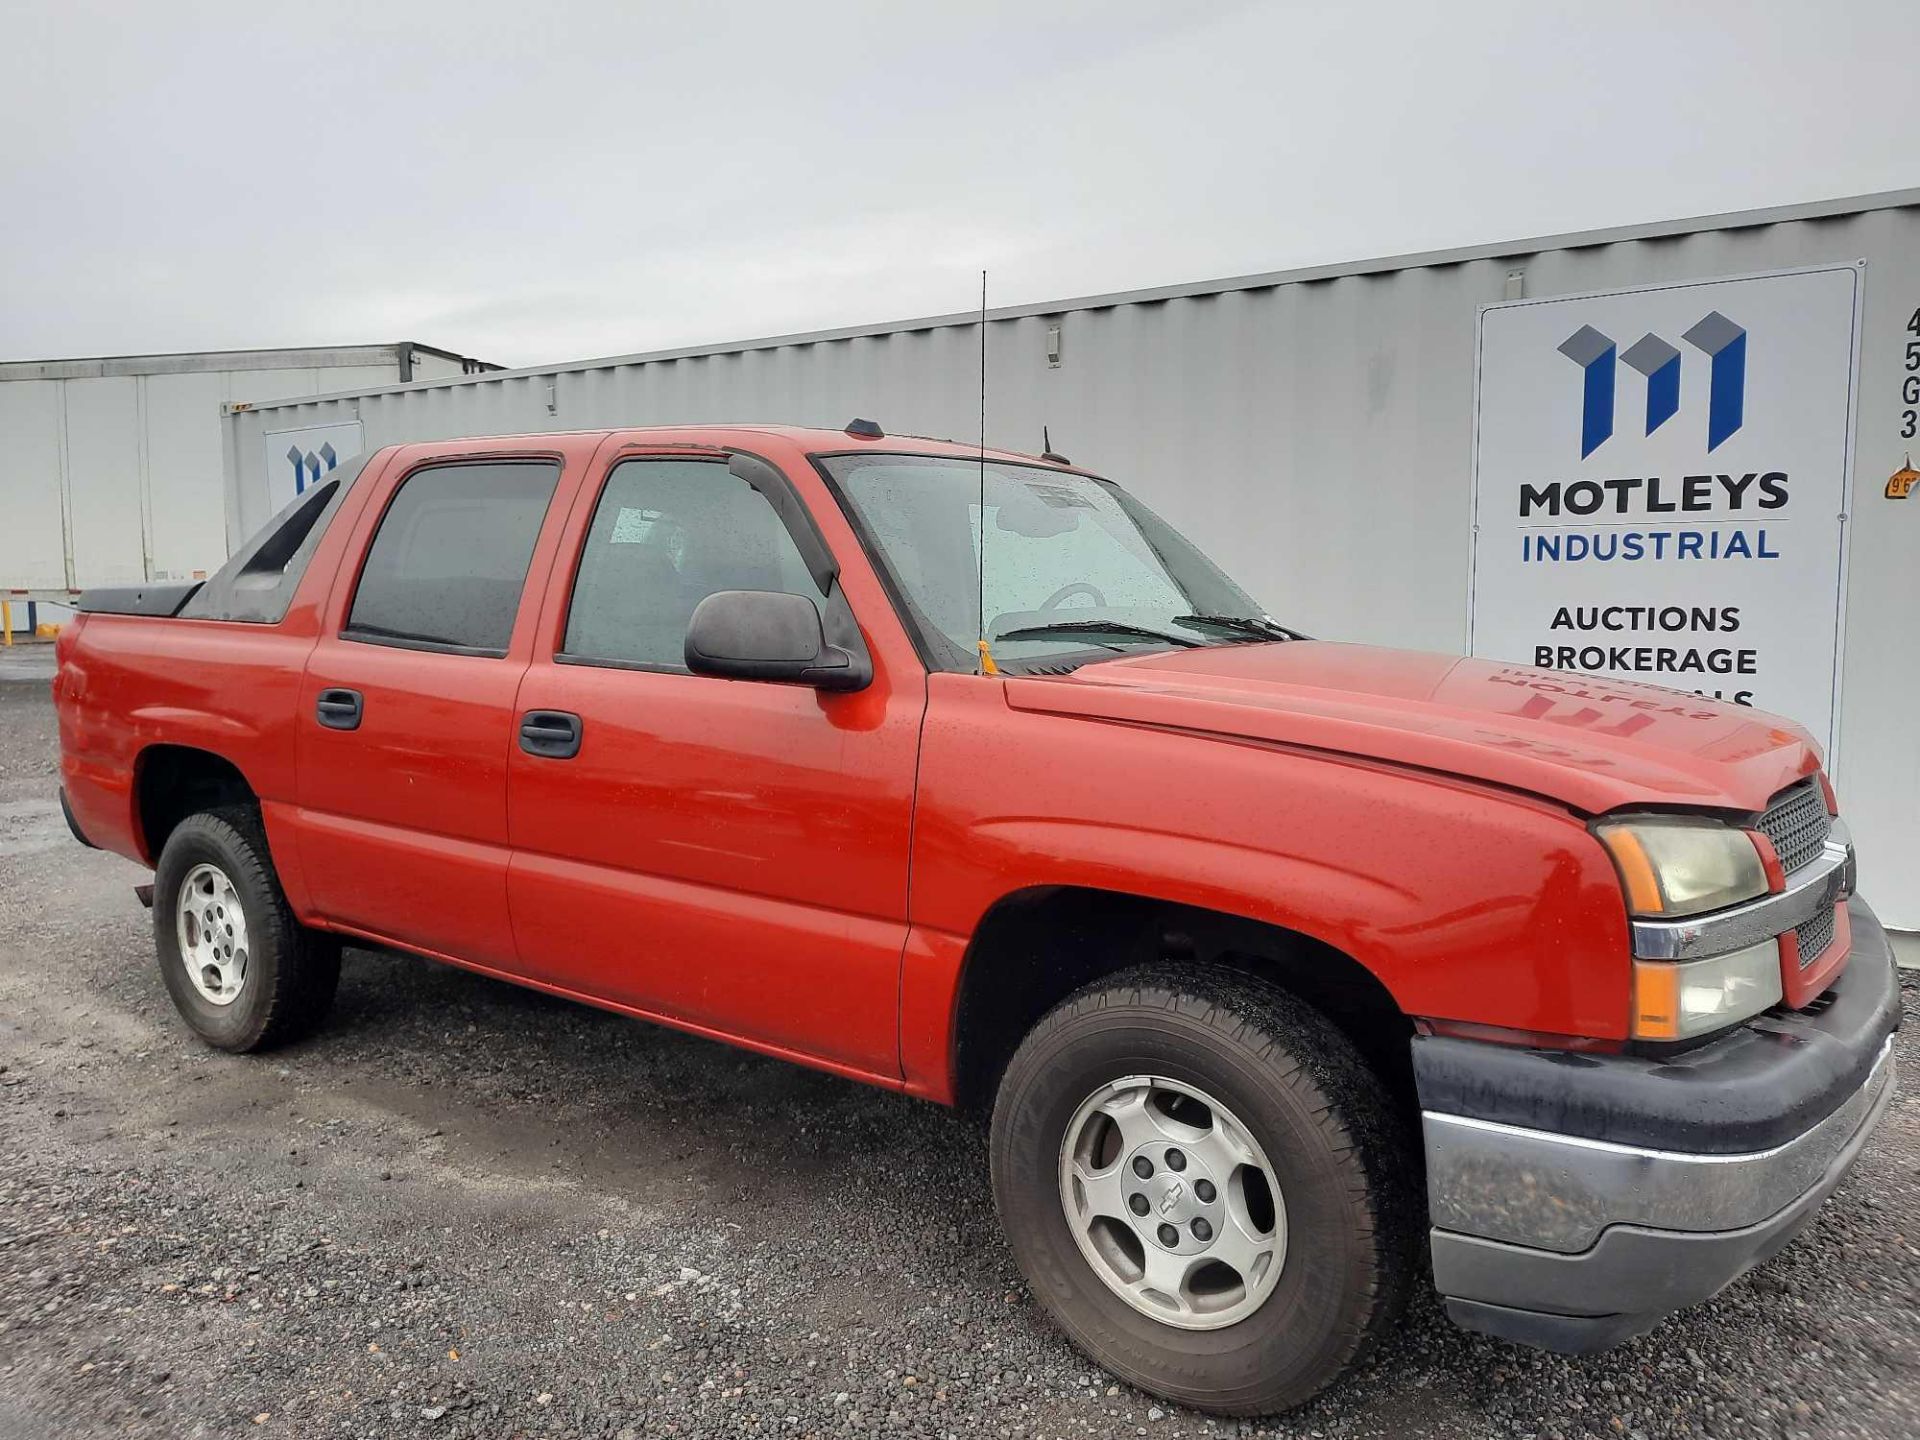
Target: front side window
point(449, 562)
point(665, 535)
point(1055, 564)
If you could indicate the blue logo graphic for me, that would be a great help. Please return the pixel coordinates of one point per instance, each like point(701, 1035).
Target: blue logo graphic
point(1715, 336)
point(306, 465)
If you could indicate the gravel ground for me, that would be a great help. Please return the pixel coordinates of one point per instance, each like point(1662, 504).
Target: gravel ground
point(469, 1210)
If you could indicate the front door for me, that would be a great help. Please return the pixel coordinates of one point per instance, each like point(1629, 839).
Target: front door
point(406, 715)
point(730, 854)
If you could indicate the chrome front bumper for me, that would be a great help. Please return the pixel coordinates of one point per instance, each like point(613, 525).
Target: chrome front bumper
point(1656, 1184)
point(1559, 1192)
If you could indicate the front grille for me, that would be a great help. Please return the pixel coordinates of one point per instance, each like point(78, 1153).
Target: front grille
point(1797, 823)
point(1815, 935)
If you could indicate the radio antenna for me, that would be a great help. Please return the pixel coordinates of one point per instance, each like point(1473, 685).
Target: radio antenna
point(987, 667)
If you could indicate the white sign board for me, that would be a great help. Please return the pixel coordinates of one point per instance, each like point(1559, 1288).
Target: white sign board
point(298, 459)
point(1660, 480)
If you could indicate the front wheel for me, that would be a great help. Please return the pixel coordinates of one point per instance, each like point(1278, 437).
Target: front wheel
point(1205, 1186)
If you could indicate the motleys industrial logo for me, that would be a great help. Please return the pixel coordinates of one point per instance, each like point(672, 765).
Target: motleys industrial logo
point(306, 465)
point(1715, 336)
point(1659, 483)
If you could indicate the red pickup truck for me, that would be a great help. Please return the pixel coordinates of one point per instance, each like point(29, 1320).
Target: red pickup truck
point(1285, 969)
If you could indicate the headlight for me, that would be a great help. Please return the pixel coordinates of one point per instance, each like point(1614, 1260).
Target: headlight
point(1673, 868)
point(1676, 1001)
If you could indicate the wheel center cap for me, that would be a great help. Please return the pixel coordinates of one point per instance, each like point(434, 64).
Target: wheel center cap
point(1174, 1199)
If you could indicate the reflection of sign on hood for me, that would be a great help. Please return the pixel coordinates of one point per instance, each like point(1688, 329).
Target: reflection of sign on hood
point(1900, 484)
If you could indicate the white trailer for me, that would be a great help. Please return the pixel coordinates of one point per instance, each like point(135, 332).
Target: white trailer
point(110, 469)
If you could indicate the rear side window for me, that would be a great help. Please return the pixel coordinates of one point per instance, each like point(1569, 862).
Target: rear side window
point(450, 559)
point(665, 535)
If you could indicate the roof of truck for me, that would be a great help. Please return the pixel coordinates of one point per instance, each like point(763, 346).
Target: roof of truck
point(814, 440)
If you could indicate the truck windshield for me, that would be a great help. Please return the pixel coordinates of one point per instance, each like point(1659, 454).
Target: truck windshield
point(1074, 566)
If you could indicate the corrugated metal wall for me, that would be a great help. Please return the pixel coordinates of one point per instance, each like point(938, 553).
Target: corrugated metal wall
point(1313, 433)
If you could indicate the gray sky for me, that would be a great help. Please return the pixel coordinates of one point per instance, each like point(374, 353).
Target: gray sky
point(534, 181)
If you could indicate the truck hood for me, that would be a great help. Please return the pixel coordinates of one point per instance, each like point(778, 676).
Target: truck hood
point(1590, 743)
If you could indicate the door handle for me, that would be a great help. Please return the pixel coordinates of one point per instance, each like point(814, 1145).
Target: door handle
point(554, 734)
point(339, 709)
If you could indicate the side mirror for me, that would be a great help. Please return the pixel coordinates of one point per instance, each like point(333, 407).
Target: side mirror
point(767, 635)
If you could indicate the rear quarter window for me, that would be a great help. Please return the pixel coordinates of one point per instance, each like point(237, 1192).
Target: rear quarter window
point(256, 584)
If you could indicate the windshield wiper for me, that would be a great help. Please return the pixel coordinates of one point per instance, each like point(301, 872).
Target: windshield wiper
point(1245, 624)
point(1094, 627)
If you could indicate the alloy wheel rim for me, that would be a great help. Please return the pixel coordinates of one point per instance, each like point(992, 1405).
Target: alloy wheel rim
point(211, 925)
point(1172, 1202)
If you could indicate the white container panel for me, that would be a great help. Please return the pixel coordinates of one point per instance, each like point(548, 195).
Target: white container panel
point(328, 379)
point(1879, 774)
point(428, 366)
point(32, 554)
point(262, 387)
point(184, 485)
point(103, 480)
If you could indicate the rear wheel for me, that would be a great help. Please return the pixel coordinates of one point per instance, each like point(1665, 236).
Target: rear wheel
point(240, 969)
point(1205, 1186)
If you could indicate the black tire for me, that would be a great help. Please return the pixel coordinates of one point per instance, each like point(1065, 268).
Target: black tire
point(1339, 1150)
point(291, 971)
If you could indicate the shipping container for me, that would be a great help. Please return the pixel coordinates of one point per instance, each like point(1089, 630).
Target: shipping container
point(110, 469)
point(1315, 430)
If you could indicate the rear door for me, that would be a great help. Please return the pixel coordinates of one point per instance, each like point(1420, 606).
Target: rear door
point(731, 854)
point(406, 717)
